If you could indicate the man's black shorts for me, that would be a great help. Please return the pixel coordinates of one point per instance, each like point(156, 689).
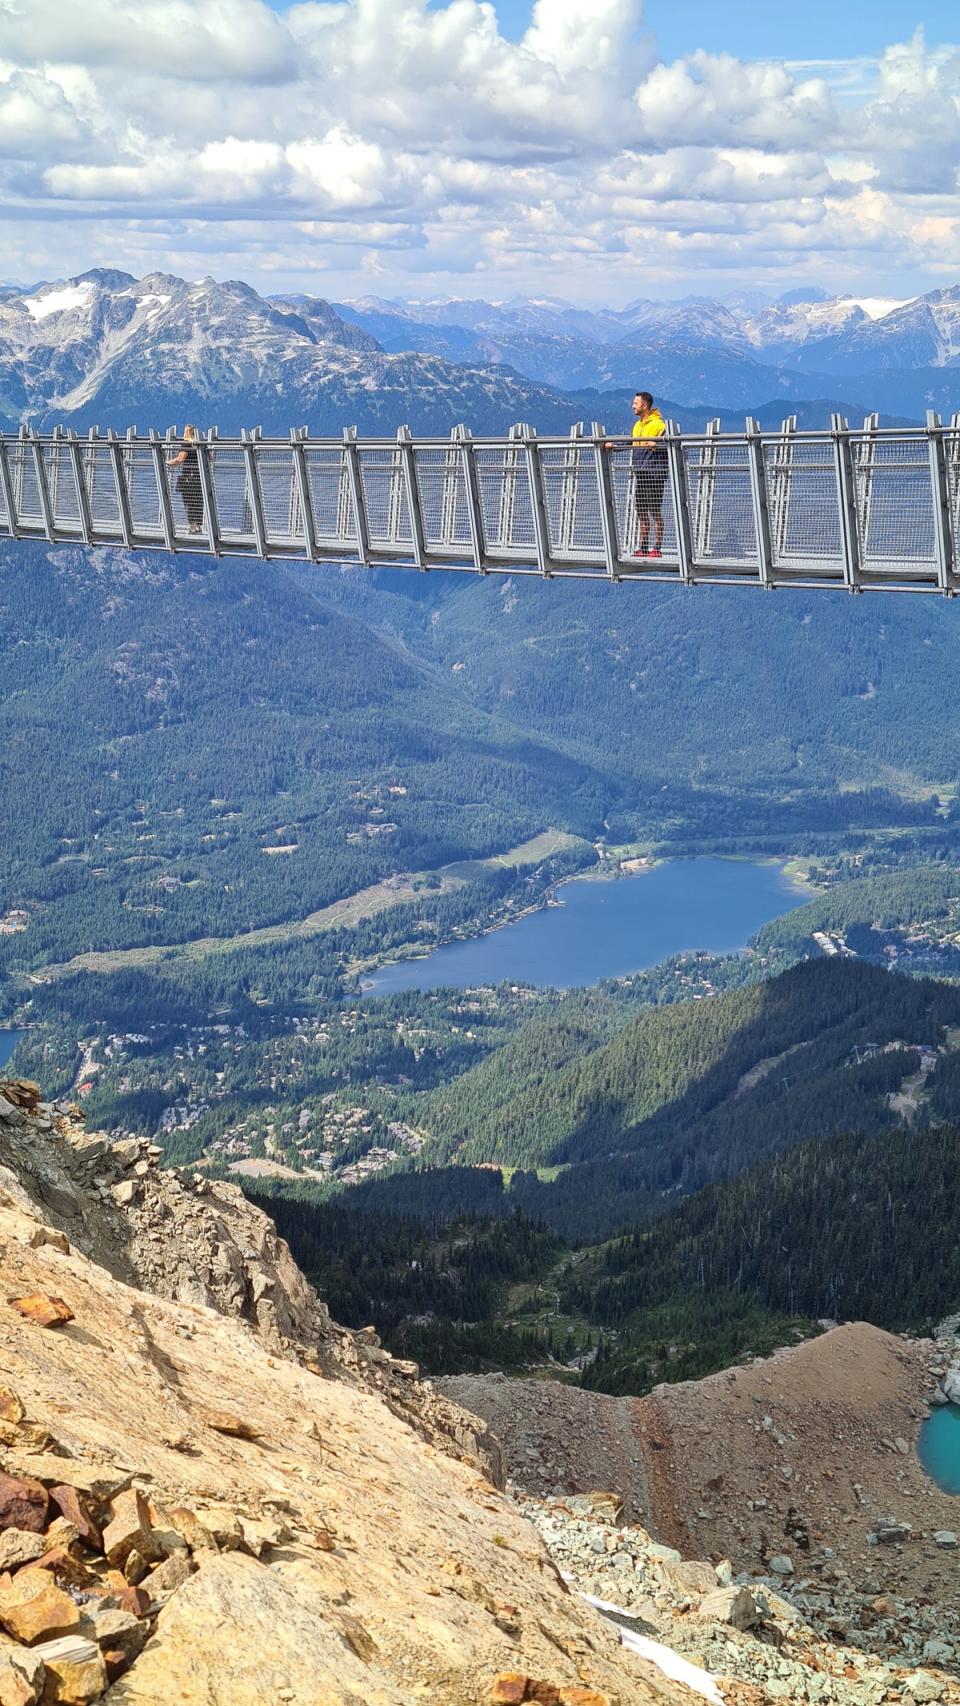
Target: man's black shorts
point(648, 491)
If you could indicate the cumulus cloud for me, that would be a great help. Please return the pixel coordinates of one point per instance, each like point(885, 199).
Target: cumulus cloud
point(407, 138)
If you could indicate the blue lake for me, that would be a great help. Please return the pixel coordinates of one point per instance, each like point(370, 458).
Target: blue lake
point(605, 928)
point(939, 1447)
point(8, 1042)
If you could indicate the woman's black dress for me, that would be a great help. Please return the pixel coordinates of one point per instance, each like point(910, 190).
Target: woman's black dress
point(189, 487)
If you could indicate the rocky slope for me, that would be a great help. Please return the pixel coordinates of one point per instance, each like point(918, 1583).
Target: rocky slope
point(800, 1470)
point(212, 1495)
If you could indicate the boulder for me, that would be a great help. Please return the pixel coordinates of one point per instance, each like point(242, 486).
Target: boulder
point(951, 1385)
point(18, 1546)
point(21, 1675)
point(33, 1608)
point(129, 1530)
point(921, 1686)
point(74, 1671)
point(43, 1309)
point(73, 1508)
point(732, 1605)
point(98, 1480)
point(780, 1564)
point(946, 1538)
point(23, 1503)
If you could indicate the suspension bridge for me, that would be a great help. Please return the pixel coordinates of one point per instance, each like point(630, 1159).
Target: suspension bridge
point(854, 508)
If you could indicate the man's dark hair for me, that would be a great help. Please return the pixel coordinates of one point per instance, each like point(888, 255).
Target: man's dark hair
point(645, 397)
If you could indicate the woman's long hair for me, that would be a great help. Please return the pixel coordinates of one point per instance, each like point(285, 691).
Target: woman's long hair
point(190, 434)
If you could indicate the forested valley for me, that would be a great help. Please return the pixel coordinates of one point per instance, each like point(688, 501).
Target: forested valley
point(249, 788)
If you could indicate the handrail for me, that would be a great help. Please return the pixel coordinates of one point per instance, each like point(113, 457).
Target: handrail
point(853, 508)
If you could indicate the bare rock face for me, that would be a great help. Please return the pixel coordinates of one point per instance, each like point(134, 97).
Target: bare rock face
point(198, 1241)
point(328, 1547)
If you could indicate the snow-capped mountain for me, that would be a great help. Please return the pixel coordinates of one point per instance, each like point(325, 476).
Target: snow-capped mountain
point(108, 349)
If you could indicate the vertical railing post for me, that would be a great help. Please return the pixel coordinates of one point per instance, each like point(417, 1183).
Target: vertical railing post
point(567, 518)
point(952, 460)
point(508, 487)
point(6, 487)
point(681, 501)
point(474, 505)
point(248, 446)
point(450, 493)
point(355, 479)
point(120, 485)
point(780, 489)
point(940, 489)
point(706, 493)
point(83, 499)
point(761, 508)
point(606, 500)
point(538, 502)
point(43, 491)
point(865, 468)
point(412, 488)
point(301, 471)
point(847, 500)
point(209, 501)
point(159, 448)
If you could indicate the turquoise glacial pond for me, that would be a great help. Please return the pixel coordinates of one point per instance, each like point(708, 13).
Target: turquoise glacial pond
point(605, 928)
point(939, 1447)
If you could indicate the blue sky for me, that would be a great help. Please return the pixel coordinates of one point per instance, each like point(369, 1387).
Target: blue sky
point(400, 148)
point(757, 29)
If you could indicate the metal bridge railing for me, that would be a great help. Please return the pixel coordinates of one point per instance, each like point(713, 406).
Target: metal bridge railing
point(844, 507)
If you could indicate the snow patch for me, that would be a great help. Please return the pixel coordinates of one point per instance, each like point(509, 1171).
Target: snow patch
point(57, 301)
point(150, 298)
point(666, 1660)
point(877, 307)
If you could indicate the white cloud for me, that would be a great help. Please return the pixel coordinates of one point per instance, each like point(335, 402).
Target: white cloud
point(221, 135)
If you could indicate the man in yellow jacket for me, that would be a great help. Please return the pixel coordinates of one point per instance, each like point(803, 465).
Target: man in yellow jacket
point(648, 462)
point(648, 466)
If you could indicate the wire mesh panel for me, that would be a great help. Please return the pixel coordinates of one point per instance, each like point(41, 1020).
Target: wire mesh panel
point(951, 457)
point(571, 493)
point(385, 499)
point(282, 513)
point(23, 480)
point(329, 483)
point(640, 498)
point(61, 487)
point(895, 503)
point(443, 499)
point(140, 473)
point(721, 500)
point(97, 473)
point(505, 503)
point(231, 494)
point(806, 526)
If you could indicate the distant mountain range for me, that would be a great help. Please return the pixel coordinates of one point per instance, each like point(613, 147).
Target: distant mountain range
point(741, 353)
point(110, 349)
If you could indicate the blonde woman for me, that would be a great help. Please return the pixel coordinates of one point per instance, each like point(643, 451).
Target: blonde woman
point(188, 479)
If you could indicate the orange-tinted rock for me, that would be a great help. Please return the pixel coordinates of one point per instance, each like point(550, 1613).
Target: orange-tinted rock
point(33, 1608)
point(582, 1697)
point(135, 1600)
point(64, 1566)
point(223, 1422)
point(23, 1504)
point(508, 1689)
point(129, 1529)
point(43, 1308)
point(11, 1409)
point(75, 1671)
point(74, 1508)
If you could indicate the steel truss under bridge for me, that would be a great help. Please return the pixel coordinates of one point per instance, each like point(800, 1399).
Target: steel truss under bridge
point(845, 508)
